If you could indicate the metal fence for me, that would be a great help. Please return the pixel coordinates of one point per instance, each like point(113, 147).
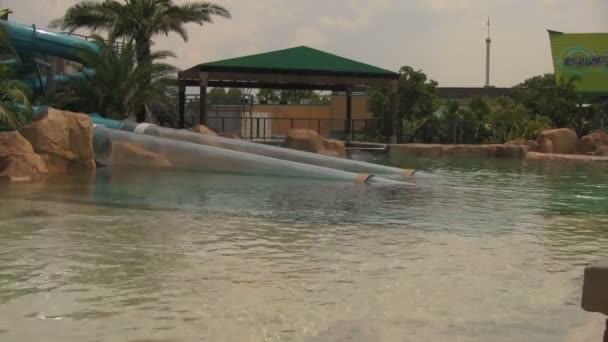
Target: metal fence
point(118, 45)
point(241, 120)
point(276, 128)
point(458, 132)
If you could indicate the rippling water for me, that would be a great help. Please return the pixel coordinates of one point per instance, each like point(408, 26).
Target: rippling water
point(472, 251)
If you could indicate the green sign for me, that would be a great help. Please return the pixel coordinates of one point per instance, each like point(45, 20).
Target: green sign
point(583, 58)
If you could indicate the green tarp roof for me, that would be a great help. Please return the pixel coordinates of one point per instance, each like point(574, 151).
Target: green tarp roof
point(299, 59)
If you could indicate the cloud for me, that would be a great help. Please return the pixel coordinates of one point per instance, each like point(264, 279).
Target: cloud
point(310, 36)
point(362, 13)
point(444, 38)
point(449, 4)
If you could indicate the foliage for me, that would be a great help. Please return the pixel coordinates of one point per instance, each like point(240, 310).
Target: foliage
point(219, 96)
point(416, 101)
point(481, 121)
point(138, 20)
point(15, 106)
point(120, 87)
point(292, 96)
point(543, 96)
point(417, 95)
point(516, 120)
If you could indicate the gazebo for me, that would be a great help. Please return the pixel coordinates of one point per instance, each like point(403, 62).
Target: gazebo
point(301, 68)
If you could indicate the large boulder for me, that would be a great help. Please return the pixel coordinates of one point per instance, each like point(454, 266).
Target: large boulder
point(310, 141)
point(398, 152)
point(230, 136)
point(594, 141)
point(130, 154)
point(602, 151)
point(558, 141)
point(334, 147)
point(529, 145)
point(63, 139)
point(18, 162)
point(202, 129)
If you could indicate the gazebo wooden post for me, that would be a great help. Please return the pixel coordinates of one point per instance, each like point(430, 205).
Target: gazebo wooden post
point(202, 109)
point(349, 115)
point(182, 104)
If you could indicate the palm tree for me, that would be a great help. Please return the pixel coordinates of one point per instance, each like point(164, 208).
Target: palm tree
point(15, 106)
point(139, 20)
point(119, 87)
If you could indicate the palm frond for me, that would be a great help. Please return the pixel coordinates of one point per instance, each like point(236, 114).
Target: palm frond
point(90, 14)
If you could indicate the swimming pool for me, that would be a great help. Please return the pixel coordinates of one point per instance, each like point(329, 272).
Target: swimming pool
point(472, 251)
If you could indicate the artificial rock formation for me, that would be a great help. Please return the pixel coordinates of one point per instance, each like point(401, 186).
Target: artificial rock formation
point(202, 129)
point(594, 141)
point(558, 141)
point(566, 157)
point(310, 141)
point(230, 136)
point(601, 152)
point(457, 151)
point(63, 139)
point(129, 154)
point(18, 161)
point(529, 145)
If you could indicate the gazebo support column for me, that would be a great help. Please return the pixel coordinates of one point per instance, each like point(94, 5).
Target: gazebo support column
point(349, 115)
point(202, 109)
point(182, 105)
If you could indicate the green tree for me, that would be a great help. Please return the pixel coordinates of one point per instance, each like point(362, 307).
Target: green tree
point(139, 20)
point(417, 95)
point(15, 106)
point(480, 109)
point(268, 95)
point(292, 96)
point(297, 96)
point(417, 101)
point(120, 87)
point(216, 96)
point(513, 121)
point(544, 96)
point(233, 96)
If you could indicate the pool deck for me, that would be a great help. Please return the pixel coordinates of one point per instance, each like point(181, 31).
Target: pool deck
point(504, 151)
point(565, 157)
point(458, 151)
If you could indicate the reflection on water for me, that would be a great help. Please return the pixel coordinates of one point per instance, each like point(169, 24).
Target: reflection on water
point(473, 251)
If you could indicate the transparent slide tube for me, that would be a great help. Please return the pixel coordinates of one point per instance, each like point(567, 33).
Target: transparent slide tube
point(119, 148)
point(269, 151)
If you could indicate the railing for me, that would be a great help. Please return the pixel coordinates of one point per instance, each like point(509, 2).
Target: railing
point(253, 126)
point(118, 46)
point(276, 128)
point(460, 132)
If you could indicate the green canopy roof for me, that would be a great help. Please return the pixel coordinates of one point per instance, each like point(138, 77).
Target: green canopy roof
point(301, 59)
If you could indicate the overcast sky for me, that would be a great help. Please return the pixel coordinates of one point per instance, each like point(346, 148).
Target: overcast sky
point(444, 38)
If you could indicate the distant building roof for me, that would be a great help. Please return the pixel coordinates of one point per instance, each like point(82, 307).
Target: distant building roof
point(471, 92)
point(301, 59)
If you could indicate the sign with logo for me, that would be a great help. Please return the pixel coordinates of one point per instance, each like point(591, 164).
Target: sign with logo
point(582, 58)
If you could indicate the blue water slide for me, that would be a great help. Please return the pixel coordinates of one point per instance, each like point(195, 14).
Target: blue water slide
point(36, 82)
point(30, 40)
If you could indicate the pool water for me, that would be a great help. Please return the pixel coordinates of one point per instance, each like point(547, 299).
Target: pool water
point(471, 251)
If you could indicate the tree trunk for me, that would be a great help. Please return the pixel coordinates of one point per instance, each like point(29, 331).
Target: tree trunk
point(143, 51)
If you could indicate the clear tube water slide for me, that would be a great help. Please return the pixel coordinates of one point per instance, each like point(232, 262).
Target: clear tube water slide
point(267, 150)
point(118, 148)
